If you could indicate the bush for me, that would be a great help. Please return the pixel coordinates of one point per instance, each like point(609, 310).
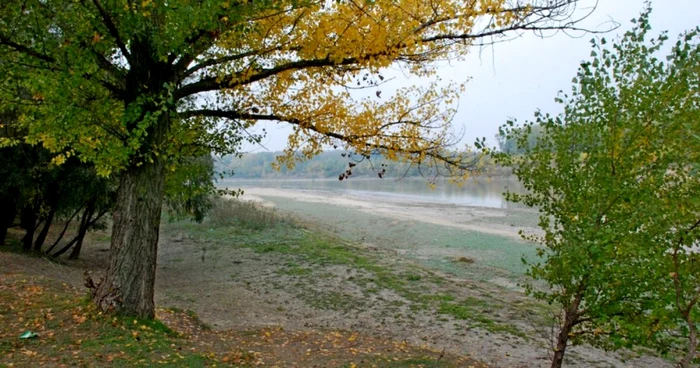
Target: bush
point(247, 214)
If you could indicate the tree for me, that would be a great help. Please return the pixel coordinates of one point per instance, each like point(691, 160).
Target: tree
point(189, 188)
point(615, 179)
point(12, 174)
point(131, 86)
point(510, 145)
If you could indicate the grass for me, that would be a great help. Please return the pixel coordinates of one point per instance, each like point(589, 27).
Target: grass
point(493, 255)
point(315, 248)
point(477, 311)
point(247, 214)
point(295, 270)
point(72, 333)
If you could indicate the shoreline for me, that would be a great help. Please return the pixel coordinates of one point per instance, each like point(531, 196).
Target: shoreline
point(476, 218)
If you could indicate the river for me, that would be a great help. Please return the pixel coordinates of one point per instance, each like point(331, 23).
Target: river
point(479, 192)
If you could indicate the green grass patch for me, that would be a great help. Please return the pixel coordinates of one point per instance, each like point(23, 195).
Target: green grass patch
point(314, 248)
point(475, 311)
point(70, 331)
point(295, 271)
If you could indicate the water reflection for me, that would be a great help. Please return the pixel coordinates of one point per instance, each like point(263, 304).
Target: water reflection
point(476, 192)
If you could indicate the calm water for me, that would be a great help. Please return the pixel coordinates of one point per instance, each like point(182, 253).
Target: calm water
point(476, 192)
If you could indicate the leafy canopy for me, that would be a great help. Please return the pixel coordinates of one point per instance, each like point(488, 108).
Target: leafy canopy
point(121, 82)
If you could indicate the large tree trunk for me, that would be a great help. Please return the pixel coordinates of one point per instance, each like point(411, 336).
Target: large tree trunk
point(128, 285)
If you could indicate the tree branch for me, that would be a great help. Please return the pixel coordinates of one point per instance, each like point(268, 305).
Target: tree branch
point(105, 64)
point(232, 80)
point(431, 152)
point(25, 50)
point(112, 28)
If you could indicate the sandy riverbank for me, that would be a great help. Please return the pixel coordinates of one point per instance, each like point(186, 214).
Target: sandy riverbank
point(494, 221)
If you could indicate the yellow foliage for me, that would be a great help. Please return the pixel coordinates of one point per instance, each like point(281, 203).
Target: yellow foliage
point(58, 160)
point(354, 42)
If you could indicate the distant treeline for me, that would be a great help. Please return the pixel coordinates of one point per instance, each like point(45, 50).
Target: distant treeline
point(328, 164)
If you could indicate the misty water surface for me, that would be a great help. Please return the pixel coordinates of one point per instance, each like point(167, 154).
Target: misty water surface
point(476, 192)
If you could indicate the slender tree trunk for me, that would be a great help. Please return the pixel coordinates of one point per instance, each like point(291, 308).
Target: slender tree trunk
point(7, 215)
point(28, 222)
point(692, 345)
point(128, 284)
point(63, 232)
point(571, 317)
point(84, 226)
point(562, 342)
point(65, 248)
point(75, 254)
point(41, 238)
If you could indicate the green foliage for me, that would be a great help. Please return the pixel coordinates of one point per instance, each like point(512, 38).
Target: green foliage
point(615, 180)
point(40, 190)
point(133, 87)
point(189, 187)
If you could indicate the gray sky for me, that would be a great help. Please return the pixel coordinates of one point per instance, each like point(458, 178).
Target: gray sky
point(513, 79)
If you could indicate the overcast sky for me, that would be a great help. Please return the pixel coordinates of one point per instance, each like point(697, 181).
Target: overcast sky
point(513, 79)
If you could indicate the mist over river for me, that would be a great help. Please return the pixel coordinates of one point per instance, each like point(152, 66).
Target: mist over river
point(479, 192)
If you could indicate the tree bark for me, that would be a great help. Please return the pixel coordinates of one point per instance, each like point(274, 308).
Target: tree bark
point(28, 222)
point(63, 232)
point(571, 318)
point(128, 284)
point(85, 225)
point(41, 238)
point(687, 361)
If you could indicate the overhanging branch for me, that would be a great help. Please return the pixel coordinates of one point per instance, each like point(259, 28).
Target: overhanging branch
point(432, 152)
point(214, 83)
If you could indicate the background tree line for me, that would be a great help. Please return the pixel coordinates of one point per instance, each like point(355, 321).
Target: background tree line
point(328, 165)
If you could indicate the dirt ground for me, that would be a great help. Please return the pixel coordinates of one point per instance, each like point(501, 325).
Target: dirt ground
point(501, 298)
point(234, 284)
